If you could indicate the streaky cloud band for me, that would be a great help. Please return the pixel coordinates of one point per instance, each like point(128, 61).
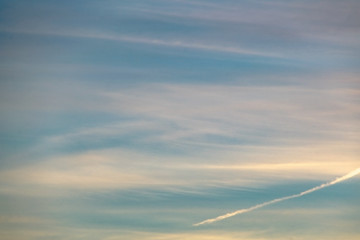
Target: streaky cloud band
point(241, 211)
point(152, 41)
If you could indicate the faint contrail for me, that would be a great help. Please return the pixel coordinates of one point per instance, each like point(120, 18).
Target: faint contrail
point(337, 180)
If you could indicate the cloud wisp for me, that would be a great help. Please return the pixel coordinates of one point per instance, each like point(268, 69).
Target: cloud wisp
point(186, 44)
point(241, 211)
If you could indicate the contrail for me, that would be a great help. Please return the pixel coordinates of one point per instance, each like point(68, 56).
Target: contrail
point(241, 211)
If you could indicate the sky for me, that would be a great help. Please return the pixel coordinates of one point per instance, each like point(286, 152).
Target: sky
point(134, 119)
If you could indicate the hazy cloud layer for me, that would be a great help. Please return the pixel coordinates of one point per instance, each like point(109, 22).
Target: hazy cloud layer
point(135, 119)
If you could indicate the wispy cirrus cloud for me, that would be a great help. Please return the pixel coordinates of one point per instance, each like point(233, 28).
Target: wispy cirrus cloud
point(217, 108)
point(224, 122)
point(113, 112)
point(174, 43)
point(114, 169)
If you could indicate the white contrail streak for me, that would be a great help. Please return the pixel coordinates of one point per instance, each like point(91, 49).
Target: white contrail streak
point(241, 211)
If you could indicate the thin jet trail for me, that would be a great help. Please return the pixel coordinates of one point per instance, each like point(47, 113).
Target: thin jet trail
point(241, 211)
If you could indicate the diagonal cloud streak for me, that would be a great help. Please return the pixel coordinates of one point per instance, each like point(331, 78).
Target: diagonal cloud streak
point(153, 41)
point(241, 211)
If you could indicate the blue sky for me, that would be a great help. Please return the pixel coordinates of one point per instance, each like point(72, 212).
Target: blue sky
point(136, 119)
